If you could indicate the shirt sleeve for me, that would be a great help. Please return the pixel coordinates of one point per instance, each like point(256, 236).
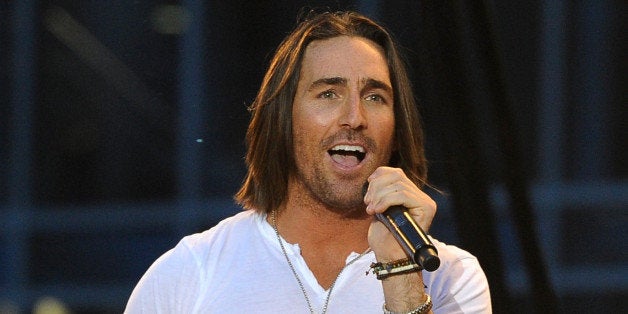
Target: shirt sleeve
point(170, 285)
point(459, 285)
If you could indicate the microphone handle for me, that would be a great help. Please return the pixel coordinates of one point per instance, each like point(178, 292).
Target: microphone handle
point(411, 237)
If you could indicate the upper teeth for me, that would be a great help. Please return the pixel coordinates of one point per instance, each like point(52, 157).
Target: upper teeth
point(349, 148)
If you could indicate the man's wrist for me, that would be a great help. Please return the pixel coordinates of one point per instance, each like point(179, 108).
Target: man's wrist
point(423, 308)
point(397, 267)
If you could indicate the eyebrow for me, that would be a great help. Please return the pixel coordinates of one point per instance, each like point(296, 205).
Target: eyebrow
point(329, 81)
point(377, 84)
point(368, 83)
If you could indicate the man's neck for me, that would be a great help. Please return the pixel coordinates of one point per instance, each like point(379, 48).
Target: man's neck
point(322, 228)
point(325, 238)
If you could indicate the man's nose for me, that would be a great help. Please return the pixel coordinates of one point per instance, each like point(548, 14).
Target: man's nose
point(354, 113)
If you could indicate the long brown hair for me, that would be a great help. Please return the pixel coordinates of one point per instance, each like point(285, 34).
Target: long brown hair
point(270, 157)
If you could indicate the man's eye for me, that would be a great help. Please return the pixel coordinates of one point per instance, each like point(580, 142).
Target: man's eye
point(327, 94)
point(376, 98)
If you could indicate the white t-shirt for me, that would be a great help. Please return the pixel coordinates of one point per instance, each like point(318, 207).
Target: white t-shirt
point(238, 267)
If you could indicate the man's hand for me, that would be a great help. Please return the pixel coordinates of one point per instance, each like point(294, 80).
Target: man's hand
point(388, 187)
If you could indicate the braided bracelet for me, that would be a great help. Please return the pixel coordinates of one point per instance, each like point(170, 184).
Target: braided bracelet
point(398, 267)
point(421, 309)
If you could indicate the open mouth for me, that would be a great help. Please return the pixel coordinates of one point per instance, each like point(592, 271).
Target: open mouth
point(347, 155)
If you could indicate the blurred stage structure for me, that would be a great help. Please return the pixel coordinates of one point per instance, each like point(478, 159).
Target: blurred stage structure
point(122, 129)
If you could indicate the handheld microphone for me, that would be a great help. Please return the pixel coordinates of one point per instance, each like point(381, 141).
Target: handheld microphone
point(410, 236)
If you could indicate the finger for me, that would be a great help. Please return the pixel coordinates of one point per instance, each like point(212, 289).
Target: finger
point(388, 187)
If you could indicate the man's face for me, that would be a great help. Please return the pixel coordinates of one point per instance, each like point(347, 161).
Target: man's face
point(343, 119)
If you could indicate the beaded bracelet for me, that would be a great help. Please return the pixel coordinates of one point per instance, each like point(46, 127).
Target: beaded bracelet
point(398, 267)
point(421, 309)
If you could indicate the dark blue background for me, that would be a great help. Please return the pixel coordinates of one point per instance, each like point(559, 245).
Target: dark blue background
point(122, 129)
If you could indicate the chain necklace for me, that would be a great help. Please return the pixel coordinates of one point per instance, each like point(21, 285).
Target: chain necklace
point(294, 271)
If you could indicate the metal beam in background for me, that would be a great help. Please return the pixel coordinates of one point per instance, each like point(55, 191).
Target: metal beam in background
point(552, 89)
point(191, 116)
point(17, 224)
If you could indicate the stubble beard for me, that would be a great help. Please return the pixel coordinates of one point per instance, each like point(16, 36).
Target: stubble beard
point(344, 197)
